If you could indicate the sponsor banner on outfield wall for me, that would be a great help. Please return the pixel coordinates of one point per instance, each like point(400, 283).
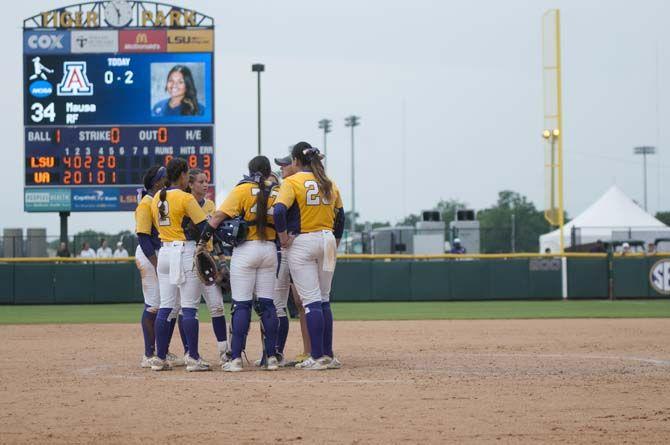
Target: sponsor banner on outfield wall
point(184, 41)
point(95, 199)
point(46, 200)
point(659, 276)
point(128, 198)
point(143, 41)
point(94, 41)
point(46, 42)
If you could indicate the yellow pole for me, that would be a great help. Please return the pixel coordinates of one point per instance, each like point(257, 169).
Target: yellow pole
point(560, 129)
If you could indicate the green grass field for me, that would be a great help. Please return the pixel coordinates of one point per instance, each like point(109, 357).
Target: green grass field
point(130, 313)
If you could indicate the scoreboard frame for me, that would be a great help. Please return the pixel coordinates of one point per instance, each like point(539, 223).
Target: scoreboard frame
point(85, 153)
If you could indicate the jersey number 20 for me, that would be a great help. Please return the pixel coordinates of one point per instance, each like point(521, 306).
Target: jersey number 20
point(313, 197)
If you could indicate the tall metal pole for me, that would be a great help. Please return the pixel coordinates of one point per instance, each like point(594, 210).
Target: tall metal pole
point(644, 151)
point(258, 68)
point(644, 174)
point(353, 121)
point(325, 125)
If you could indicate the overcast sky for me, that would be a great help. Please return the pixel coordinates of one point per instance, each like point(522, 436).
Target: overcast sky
point(469, 74)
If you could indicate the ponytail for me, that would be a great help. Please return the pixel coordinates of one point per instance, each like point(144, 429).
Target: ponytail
point(162, 203)
point(325, 184)
point(259, 171)
point(311, 157)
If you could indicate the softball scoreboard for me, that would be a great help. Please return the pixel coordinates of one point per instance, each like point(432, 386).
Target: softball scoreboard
point(111, 88)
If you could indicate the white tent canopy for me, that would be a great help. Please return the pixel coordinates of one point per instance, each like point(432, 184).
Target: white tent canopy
point(613, 212)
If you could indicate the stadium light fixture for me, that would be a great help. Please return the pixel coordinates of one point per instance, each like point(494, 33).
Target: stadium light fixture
point(258, 68)
point(644, 151)
point(325, 125)
point(352, 121)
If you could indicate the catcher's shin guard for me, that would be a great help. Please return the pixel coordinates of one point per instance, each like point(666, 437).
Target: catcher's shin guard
point(240, 317)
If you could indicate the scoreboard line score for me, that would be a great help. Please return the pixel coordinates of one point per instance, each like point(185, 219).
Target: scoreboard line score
point(107, 95)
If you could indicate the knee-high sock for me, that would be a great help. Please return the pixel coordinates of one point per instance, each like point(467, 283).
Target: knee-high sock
point(162, 327)
point(182, 333)
point(149, 331)
point(282, 333)
point(314, 316)
point(327, 329)
point(240, 319)
point(219, 326)
point(191, 330)
point(270, 324)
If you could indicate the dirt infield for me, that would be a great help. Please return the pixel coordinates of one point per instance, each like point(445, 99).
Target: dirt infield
point(557, 381)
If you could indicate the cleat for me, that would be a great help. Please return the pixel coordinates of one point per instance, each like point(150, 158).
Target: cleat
point(146, 362)
point(310, 364)
point(334, 363)
point(272, 365)
point(174, 361)
point(258, 363)
point(188, 361)
point(301, 357)
point(198, 365)
point(158, 364)
point(235, 365)
point(225, 357)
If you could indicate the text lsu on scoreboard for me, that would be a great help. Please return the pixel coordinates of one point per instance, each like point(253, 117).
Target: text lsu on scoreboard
point(102, 106)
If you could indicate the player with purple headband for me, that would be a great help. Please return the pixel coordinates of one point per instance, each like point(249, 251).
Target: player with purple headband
point(146, 260)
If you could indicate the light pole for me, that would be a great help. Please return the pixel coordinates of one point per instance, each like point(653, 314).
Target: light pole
point(325, 125)
point(258, 68)
point(644, 151)
point(352, 121)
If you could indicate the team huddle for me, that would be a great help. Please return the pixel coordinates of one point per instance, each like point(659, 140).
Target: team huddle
point(280, 232)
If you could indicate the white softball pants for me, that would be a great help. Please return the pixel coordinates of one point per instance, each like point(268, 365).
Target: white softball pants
point(282, 286)
point(176, 277)
point(311, 260)
point(253, 269)
point(213, 296)
point(149, 279)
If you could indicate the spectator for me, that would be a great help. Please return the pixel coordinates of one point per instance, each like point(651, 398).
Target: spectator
point(625, 249)
point(120, 251)
point(599, 247)
point(87, 251)
point(104, 251)
point(651, 249)
point(458, 248)
point(63, 251)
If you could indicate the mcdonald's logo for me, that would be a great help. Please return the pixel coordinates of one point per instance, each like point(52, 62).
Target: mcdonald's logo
point(145, 41)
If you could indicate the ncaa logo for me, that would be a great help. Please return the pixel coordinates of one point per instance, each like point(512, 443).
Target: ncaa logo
point(74, 82)
point(40, 89)
point(46, 41)
point(659, 276)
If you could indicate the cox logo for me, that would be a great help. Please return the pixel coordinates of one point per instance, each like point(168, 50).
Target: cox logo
point(46, 41)
point(40, 89)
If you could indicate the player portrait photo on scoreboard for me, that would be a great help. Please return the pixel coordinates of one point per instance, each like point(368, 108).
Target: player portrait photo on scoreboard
point(177, 89)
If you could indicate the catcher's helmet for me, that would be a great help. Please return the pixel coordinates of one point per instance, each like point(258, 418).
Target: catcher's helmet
point(232, 231)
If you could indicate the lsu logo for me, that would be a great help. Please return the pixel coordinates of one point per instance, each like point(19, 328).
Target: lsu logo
point(74, 82)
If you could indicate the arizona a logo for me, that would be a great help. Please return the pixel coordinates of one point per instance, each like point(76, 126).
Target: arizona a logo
point(75, 82)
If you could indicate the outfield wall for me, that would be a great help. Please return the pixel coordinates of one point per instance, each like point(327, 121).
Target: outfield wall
point(362, 280)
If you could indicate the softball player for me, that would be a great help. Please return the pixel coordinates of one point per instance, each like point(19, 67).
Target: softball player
point(309, 220)
point(198, 185)
point(254, 262)
point(176, 277)
point(283, 286)
point(146, 260)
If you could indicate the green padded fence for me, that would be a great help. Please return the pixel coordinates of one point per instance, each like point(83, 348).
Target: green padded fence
point(361, 280)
